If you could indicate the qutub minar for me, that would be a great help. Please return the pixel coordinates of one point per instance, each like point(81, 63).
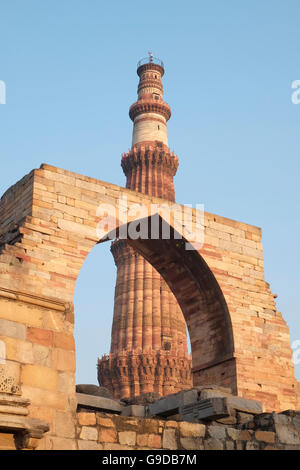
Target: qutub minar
point(148, 350)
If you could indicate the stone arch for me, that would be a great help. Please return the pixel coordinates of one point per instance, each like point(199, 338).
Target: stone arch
point(200, 297)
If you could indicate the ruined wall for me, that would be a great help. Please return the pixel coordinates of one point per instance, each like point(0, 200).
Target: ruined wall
point(101, 431)
point(42, 249)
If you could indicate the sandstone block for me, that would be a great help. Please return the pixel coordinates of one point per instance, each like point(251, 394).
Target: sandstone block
point(78, 229)
point(288, 434)
point(218, 432)
point(154, 441)
point(64, 341)
point(245, 435)
point(191, 443)
point(9, 349)
point(88, 433)
point(53, 321)
point(233, 433)
point(25, 352)
point(107, 435)
point(7, 441)
point(150, 426)
point(45, 413)
point(66, 382)
point(64, 425)
point(59, 443)
point(52, 175)
point(269, 420)
point(98, 188)
point(41, 336)
point(12, 329)
point(192, 429)
point(142, 439)
point(86, 419)
point(39, 376)
point(127, 437)
point(43, 397)
point(89, 445)
point(41, 355)
point(265, 436)
point(63, 360)
point(105, 422)
point(213, 444)
point(20, 312)
point(169, 439)
point(131, 423)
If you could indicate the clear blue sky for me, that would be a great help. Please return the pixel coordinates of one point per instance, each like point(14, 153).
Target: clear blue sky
point(70, 71)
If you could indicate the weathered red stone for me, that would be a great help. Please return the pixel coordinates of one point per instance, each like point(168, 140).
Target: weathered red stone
point(149, 343)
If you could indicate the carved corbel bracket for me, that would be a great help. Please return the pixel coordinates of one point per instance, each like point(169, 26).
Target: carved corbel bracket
point(13, 419)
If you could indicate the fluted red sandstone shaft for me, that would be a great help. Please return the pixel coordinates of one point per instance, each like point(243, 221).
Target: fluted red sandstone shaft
point(148, 344)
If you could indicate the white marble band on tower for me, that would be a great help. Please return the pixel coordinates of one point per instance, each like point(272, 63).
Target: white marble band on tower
point(149, 127)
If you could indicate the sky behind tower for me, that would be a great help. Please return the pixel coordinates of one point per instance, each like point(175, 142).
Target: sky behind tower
point(70, 72)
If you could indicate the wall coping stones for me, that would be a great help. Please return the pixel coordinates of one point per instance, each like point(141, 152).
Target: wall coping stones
point(244, 404)
point(98, 403)
point(210, 409)
point(134, 410)
point(170, 404)
point(192, 406)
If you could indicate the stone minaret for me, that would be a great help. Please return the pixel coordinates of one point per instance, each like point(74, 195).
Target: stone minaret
point(148, 343)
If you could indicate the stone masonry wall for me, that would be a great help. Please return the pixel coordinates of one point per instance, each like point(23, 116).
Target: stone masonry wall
point(101, 431)
point(48, 227)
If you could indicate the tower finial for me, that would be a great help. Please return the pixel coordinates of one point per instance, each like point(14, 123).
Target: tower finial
point(150, 56)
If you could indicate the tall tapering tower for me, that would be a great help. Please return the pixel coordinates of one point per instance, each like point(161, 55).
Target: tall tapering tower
point(148, 344)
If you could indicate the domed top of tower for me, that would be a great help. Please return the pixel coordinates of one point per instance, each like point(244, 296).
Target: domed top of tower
point(150, 63)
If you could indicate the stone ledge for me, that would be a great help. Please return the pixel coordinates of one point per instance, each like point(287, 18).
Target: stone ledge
point(209, 409)
point(134, 410)
point(13, 419)
point(209, 403)
point(170, 404)
point(46, 302)
point(12, 404)
point(93, 402)
point(15, 423)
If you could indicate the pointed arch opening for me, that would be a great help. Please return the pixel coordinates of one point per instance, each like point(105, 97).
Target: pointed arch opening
point(200, 298)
